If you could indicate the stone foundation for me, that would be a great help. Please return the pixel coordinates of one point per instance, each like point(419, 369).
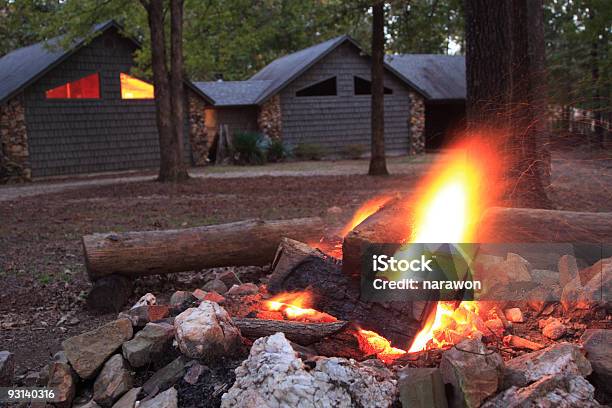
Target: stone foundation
point(269, 118)
point(14, 152)
point(417, 124)
point(198, 134)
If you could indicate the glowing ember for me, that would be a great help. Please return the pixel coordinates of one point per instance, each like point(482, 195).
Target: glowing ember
point(296, 306)
point(448, 326)
point(372, 343)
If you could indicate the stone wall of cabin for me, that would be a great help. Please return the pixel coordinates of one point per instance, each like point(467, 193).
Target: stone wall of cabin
point(14, 149)
point(417, 124)
point(199, 137)
point(269, 118)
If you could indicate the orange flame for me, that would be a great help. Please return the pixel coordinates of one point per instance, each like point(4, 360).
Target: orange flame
point(366, 210)
point(296, 306)
point(452, 202)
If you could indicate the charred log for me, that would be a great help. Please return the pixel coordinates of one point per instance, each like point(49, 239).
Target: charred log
point(299, 332)
point(298, 267)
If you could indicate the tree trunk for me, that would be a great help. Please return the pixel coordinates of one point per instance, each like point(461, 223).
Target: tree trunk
point(378, 162)
point(171, 167)
point(524, 165)
point(506, 100)
point(177, 170)
point(251, 242)
point(487, 61)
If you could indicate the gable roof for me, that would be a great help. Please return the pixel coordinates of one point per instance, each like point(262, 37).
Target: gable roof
point(284, 70)
point(24, 66)
point(234, 93)
point(442, 77)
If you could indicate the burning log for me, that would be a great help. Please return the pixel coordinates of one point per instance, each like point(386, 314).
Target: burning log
point(299, 332)
point(536, 225)
point(519, 342)
point(298, 267)
point(244, 243)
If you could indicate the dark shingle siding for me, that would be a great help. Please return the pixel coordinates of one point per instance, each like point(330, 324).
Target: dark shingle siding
point(83, 136)
point(336, 121)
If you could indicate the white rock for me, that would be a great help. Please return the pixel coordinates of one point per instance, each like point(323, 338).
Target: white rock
point(206, 332)
point(273, 377)
point(558, 359)
point(514, 315)
point(147, 300)
point(570, 391)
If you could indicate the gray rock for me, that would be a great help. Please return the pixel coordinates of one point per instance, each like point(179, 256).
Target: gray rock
point(568, 269)
point(229, 278)
point(7, 368)
point(128, 400)
point(571, 391)
point(215, 285)
point(243, 290)
point(474, 373)
point(273, 376)
point(421, 388)
point(194, 371)
point(558, 359)
point(206, 332)
point(598, 346)
point(114, 381)
point(88, 351)
point(141, 315)
point(148, 344)
point(181, 297)
point(593, 290)
point(167, 399)
point(166, 377)
point(63, 379)
point(554, 329)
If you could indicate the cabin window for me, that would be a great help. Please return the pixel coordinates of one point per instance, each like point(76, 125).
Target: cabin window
point(323, 88)
point(84, 88)
point(364, 87)
point(134, 88)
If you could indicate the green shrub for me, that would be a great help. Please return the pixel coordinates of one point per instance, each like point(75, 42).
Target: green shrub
point(276, 151)
point(248, 148)
point(354, 151)
point(308, 151)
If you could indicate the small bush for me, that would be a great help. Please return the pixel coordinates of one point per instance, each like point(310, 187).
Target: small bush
point(276, 151)
point(308, 151)
point(249, 148)
point(354, 151)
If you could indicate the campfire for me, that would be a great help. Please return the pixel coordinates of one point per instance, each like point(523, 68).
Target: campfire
point(313, 322)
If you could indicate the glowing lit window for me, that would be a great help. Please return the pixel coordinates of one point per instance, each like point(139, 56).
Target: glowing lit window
point(133, 88)
point(84, 88)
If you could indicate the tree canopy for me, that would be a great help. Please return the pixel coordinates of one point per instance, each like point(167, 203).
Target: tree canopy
point(237, 38)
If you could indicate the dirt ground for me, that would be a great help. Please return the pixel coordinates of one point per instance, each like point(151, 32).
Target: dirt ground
point(42, 276)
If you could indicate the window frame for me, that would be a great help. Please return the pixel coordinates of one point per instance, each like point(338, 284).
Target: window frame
point(335, 77)
point(134, 100)
point(370, 81)
point(99, 98)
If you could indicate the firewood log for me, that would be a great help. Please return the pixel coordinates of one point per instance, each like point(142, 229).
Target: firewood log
point(299, 332)
point(548, 226)
point(244, 243)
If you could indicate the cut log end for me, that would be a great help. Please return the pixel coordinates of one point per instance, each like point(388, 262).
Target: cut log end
point(109, 294)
